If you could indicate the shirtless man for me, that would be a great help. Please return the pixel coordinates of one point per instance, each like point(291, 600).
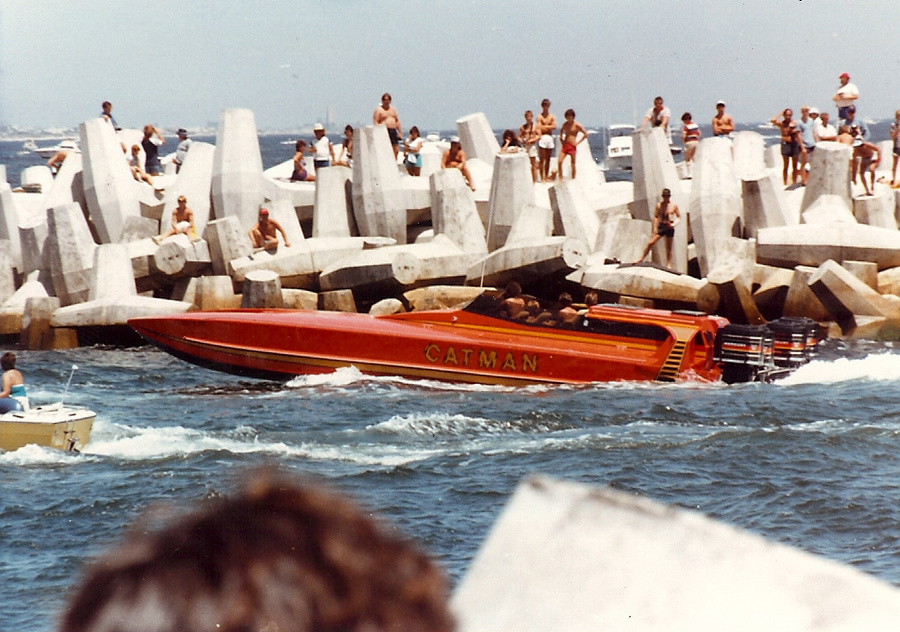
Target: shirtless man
point(546, 124)
point(569, 140)
point(790, 143)
point(722, 123)
point(665, 219)
point(865, 160)
point(182, 221)
point(387, 115)
point(528, 136)
point(455, 158)
point(263, 234)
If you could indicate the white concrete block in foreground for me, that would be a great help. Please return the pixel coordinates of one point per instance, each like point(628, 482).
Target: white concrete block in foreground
point(567, 556)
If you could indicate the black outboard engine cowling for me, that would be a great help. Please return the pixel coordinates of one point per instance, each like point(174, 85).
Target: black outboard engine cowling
point(751, 353)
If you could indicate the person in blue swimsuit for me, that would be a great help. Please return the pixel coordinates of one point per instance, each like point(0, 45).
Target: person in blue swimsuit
point(13, 384)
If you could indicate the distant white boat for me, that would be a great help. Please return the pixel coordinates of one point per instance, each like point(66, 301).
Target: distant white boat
point(49, 152)
point(619, 146)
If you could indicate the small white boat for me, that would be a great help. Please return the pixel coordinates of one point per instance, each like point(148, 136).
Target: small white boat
point(52, 426)
point(619, 147)
point(49, 152)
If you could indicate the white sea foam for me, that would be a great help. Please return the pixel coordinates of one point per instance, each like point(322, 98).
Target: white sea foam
point(878, 367)
point(438, 423)
point(38, 455)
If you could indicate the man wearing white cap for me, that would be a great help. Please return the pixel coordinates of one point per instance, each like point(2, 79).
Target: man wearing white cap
point(722, 123)
point(845, 95)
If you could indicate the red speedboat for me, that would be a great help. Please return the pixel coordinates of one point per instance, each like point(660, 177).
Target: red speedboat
point(473, 344)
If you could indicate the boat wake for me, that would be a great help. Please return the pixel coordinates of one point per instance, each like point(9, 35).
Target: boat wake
point(882, 367)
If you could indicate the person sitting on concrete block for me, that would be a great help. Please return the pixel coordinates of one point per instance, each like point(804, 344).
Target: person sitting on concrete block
point(263, 234)
point(182, 222)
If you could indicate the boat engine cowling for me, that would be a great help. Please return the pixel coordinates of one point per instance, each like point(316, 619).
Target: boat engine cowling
point(751, 353)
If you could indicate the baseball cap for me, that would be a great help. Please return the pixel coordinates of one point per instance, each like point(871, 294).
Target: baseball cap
point(844, 75)
point(263, 211)
point(181, 131)
point(814, 110)
point(454, 139)
point(318, 126)
point(720, 102)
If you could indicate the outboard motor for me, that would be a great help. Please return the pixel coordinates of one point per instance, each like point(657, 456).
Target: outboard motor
point(746, 353)
point(796, 341)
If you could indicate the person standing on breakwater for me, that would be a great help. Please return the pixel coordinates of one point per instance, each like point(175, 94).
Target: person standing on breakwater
point(182, 222)
point(106, 114)
point(263, 233)
point(412, 152)
point(546, 125)
point(690, 137)
point(865, 160)
point(807, 140)
point(528, 136)
point(184, 143)
point(345, 151)
point(277, 556)
point(823, 130)
point(386, 114)
point(300, 174)
point(571, 134)
point(845, 95)
point(455, 158)
point(657, 116)
point(895, 136)
point(856, 127)
point(13, 384)
point(665, 218)
point(322, 149)
point(790, 143)
point(151, 147)
point(722, 123)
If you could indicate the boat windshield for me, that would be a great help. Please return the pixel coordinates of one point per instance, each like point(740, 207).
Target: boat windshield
point(617, 131)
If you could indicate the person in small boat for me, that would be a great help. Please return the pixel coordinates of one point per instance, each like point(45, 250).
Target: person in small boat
point(182, 221)
point(513, 303)
point(665, 219)
point(263, 234)
point(13, 384)
point(278, 555)
point(566, 314)
point(535, 314)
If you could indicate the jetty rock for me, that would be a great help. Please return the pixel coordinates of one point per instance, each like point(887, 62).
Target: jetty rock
point(559, 545)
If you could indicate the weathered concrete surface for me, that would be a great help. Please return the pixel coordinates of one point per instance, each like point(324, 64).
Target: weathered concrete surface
point(732, 279)
point(207, 293)
point(829, 173)
point(511, 191)
point(68, 185)
point(12, 311)
point(440, 297)
point(622, 238)
point(237, 173)
point(664, 287)
point(828, 209)
point(764, 204)
point(748, 149)
point(865, 271)
point(573, 212)
point(770, 289)
point(453, 211)
point(277, 185)
point(9, 224)
point(877, 210)
point(477, 138)
point(69, 251)
point(179, 256)
point(716, 208)
point(889, 281)
point(333, 205)
point(548, 258)
point(386, 307)
point(262, 290)
point(567, 556)
point(379, 201)
point(812, 245)
point(846, 297)
point(227, 242)
point(800, 300)
point(7, 278)
point(37, 315)
point(109, 188)
point(337, 301)
point(113, 297)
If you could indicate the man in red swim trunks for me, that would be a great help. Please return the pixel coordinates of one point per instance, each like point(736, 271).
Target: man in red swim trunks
point(569, 140)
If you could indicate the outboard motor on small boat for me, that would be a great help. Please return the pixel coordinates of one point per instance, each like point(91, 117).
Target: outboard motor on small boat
point(761, 353)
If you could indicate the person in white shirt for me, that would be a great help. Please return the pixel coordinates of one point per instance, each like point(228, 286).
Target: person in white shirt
point(845, 95)
point(323, 152)
point(823, 130)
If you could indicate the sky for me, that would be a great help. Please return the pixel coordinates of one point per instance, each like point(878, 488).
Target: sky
point(180, 63)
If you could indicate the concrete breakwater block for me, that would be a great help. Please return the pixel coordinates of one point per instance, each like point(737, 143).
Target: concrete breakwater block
point(812, 245)
point(716, 208)
point(208, 293)
point(12, 311)
point(68, 185)
point(194, 182)
point(653, 169)
point(749, 149)
point(829, 174)
point(110, 190)
point(262, 289)
point(572, 211)
point(227, 241)
point(453, 211)
point(379, 201)
point(876, 210)
point(547, 259)
point(440, 297)
point(568, 556)
point(846, 297)
point(664, 287)
point(333, 205)
point(512, 189)
point(237, 172)
point(9, 224)
point(69, 250)
point(477, 138)
point(764, 204)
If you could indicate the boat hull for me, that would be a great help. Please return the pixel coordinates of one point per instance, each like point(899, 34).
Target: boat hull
point(449, 345)
point(53, 426)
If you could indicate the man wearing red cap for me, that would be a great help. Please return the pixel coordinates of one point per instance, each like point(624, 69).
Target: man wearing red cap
point(263, 234)
point(845, 95)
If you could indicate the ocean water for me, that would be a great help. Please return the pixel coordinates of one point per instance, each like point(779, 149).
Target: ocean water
point(811, 461)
